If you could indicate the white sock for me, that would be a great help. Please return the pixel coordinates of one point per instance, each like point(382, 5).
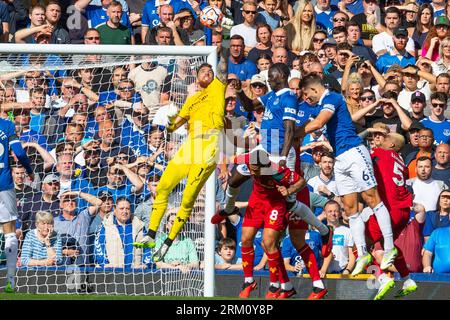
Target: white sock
point(384, 221)
point(357, 229)
point(287, 286)
point(11, 246)
point(275, 284)
point(408, 282)
point(319, 284)
point(304, 212)
point(248, 279)
point(230, 199)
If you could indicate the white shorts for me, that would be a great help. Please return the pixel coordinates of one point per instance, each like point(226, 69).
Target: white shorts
point(353, 171)
point(290, 161)
point(8, 206)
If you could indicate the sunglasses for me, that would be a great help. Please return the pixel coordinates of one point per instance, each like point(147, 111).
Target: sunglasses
point(438, 105)
point(321, 56)
point(258, 85)
point(249, 12)
point(318, 39)
point(370, 98)
point(69, 200)
point(53, 183)
point(339, 19)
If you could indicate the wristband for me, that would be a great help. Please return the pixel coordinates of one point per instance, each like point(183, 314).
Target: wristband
point(283, 158)
point(331, 196)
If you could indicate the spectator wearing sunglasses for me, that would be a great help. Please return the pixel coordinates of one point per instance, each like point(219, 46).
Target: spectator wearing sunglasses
point(247, 29)
point(324, 15)
point(437, 121)
point(318, 39)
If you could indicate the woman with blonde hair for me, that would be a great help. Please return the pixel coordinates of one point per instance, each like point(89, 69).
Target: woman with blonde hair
point(351, 89)
point(443, 64)
point(301, 28)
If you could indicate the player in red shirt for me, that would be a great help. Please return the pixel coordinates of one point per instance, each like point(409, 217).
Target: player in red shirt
point(267, 209)
point(391, 174)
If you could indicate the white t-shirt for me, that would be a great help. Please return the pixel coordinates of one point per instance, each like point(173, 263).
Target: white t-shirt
point(384, 41)
point(342, 240)
point(148, 83)
point(404, 97)
point(426, 192)
point(247, 32)
point(316, 181)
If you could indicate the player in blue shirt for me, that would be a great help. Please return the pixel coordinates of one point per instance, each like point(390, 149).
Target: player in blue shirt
point(8, 204)
point(353, 169)
point(277, 128)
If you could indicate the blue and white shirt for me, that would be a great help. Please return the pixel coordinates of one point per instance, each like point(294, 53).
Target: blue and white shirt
point(97, 16)
point(340, 129)
point(245, 69)
point(279, 106)
point(324, 19)
point(8, 138)
point(441, 129)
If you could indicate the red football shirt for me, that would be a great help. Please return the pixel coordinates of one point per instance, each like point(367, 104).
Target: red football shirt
point(391, 174)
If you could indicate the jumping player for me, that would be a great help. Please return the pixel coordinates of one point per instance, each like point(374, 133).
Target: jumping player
point(353, 168)
point(267, 209)
point(197, 157)
point(390, 172)
point(8, 204)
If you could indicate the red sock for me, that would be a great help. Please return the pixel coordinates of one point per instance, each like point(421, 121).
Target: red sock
point(400, 264)
point(274, 268)
point(310, 261)
point(283, 275)
point(248, 257)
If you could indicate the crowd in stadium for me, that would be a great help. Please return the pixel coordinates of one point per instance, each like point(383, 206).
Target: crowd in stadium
point(96, 136)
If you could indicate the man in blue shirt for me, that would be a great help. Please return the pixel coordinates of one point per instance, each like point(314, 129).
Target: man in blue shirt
point(353, 167)
point(400, 56)
point(438, 246)
point(238, 64)
point(324, 15)
point(437, 121)
point(8, 204)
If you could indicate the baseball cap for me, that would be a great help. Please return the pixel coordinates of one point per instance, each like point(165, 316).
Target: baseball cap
point(104, 195)
point(442, 20)
point(330, 42)
point(51, 178)
point(416, 125)
point(258, 78)
point(400, 32)
point(418, 96)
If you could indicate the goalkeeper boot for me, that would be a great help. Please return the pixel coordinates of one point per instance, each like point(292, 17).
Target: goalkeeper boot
point(386, 285)
point(318, 293)
point(409, 286)
point(159, 255)
point(9, 287)
point(327, 241)
point(247, 288)
point(222, 214)
point(388, 259)
point(147, 242)
point(362, 263)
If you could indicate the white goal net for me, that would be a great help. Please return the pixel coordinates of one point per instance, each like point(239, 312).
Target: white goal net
point(93, 126)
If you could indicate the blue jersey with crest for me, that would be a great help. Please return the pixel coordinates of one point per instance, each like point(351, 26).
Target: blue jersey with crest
point(279, 106)
point(341, 130)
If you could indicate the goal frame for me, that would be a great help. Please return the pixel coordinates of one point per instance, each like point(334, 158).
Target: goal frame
point(210, 52)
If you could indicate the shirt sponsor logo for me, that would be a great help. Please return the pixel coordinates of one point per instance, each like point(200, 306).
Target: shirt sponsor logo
point(446, 132)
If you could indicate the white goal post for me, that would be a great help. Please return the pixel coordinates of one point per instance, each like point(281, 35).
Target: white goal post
point(208, 52)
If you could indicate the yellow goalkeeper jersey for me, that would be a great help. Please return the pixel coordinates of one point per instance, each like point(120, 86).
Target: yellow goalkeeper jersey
point(205, 110)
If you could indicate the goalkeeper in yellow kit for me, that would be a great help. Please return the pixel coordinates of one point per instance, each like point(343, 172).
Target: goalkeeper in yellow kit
point(204, 112)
